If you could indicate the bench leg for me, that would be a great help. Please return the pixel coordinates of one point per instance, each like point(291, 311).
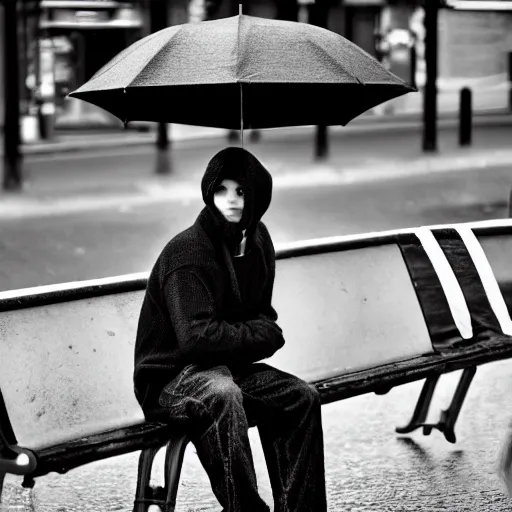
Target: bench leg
point(449, 416)
point(2, 476)
point(173, 463)
point(164, 498)
point(421, 410)
point(446, 423)
point(144, 494)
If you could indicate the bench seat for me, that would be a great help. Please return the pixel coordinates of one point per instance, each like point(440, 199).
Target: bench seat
point(102, 445)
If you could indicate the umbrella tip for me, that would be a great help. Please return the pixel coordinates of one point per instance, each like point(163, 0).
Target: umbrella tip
point(240, 9)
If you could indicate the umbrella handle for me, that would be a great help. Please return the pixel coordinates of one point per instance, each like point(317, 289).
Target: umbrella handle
point(241, 97)
point(241, 116)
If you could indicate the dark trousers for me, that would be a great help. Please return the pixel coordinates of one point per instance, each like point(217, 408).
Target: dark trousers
point(220, 405)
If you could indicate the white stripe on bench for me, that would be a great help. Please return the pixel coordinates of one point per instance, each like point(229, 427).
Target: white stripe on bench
point(451, 287)
point(488, 278)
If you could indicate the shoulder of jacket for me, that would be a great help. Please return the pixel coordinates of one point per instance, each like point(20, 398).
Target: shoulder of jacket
point(263, 235)
point(192, 239)
point(262, 229)
point(189, 248)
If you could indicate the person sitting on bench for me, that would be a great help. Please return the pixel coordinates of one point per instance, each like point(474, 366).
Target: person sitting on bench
point(205, 323)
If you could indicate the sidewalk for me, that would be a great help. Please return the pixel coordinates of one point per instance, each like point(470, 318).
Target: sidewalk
point(89, 179)
point(80, 140)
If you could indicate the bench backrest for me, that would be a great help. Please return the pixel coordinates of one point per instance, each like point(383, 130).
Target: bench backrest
point(66, 369)
point(66, 361)
point(344, 311)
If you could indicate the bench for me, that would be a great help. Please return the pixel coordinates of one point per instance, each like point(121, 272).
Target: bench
point(394, 307)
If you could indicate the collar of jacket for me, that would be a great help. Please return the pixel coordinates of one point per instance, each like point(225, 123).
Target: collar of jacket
point(213, 229)
point(221, 231)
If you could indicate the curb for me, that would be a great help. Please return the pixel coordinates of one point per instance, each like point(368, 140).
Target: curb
point(372, 125)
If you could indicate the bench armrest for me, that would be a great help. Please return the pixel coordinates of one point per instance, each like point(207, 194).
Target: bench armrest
point(16, 460)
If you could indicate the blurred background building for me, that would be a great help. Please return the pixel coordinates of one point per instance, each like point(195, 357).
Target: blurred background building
point(62, 43)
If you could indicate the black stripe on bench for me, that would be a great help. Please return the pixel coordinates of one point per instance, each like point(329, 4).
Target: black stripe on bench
point(438, 317)
point(482, 315)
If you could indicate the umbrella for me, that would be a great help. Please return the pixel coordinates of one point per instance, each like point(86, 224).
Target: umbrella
point(242, 72)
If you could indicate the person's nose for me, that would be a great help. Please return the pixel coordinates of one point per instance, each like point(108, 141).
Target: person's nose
point(232, 198)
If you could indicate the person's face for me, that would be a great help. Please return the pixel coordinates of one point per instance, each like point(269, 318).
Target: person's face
point(229, 200)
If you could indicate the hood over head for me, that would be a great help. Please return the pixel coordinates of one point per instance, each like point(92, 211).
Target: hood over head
point(238, 164)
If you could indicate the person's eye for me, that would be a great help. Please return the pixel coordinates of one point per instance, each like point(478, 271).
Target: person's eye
point(240, 192)
point(220, 188)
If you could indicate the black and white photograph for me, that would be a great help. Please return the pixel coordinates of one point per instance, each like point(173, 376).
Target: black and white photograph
point(255, 255)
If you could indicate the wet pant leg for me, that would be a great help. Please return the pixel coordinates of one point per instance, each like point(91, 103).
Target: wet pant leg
point(287, 412)
point(212, 404)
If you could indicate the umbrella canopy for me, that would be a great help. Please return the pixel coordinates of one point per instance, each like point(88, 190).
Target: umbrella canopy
point(269, 73)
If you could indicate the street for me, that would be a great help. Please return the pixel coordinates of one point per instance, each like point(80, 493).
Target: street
point(114, 241)
point(368, 467)
point(128, 238)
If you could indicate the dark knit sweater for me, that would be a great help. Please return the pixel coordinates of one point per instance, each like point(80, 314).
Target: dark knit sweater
point(204, 307)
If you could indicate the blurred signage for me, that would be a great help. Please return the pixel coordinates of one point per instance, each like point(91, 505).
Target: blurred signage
point(362, 3)
point(80, 4)
point(473, 44)
point(89, 14)
point(66, 15)
point(480, 5)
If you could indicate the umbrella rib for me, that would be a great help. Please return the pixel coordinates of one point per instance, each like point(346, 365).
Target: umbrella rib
point(157, 53)
point(332, 59)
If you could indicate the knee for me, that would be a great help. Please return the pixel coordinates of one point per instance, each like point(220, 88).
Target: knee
point(225, 390)
point(222, 391)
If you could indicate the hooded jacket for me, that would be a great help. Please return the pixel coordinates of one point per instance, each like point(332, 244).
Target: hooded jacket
point(201, 305)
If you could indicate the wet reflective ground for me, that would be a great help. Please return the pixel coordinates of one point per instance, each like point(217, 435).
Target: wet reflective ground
point(368, 467)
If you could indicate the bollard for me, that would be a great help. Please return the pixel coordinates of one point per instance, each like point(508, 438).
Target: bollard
point(12, 155)
point(413, 60)
point(510, 81)
point(255, 136)
point(233, 136)
point(321, 143)
point(465, 116)
point(163, 149)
